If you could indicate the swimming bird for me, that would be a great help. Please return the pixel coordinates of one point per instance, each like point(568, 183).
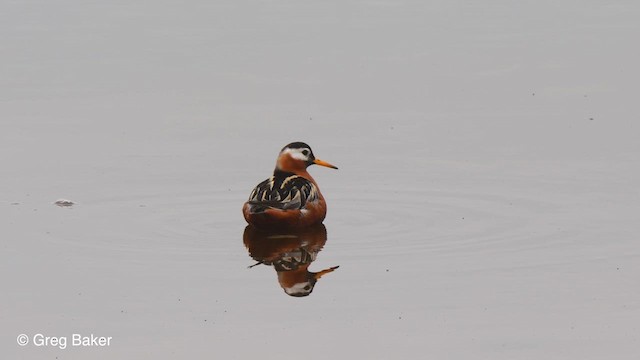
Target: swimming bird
point(290, 198)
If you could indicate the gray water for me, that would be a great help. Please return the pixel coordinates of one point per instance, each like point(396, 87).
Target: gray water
point(486, 205)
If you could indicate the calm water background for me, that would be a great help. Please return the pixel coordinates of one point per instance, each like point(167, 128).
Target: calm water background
point(486, 205)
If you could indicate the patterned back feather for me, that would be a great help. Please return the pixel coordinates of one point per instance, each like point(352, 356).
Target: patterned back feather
point(284, 191)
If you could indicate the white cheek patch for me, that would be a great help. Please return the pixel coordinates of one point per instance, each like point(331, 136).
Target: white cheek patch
point(297, 154)
point(299, 288)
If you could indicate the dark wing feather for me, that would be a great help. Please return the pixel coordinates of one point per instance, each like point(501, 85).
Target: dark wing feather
point(284, 191)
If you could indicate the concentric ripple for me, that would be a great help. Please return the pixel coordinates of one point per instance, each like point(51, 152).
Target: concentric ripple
point(416, 220)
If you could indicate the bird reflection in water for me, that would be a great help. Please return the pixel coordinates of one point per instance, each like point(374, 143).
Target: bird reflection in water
point(290, 252)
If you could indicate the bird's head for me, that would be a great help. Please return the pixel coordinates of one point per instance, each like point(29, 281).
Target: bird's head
point(297, 156)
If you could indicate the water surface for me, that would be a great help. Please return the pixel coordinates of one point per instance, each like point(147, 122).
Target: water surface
point(486, 204)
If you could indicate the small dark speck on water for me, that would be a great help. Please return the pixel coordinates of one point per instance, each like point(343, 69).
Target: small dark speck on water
point(534, 94)
point(591, 119)
point(142, 205)
point(64, 202)
point(15, 203)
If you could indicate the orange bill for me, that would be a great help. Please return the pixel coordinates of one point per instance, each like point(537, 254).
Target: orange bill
point(324, 163)
point(318, 275)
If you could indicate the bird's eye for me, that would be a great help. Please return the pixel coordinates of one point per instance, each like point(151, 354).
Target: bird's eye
point(305, 152)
